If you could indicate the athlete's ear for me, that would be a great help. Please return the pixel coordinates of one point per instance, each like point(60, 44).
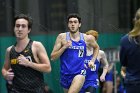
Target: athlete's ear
point(29, 30)
point(79, 24)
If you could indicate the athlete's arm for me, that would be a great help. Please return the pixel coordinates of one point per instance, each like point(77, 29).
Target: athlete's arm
point(42, 63)
point(6, 71)
point(110, 67)
point(93, 43)
point(58, 47)
point(104, 61)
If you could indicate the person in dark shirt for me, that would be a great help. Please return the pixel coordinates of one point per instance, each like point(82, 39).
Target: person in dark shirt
point(26, 60)
point(130, 56)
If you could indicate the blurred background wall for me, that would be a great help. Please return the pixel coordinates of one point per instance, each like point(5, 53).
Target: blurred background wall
point(111, 18)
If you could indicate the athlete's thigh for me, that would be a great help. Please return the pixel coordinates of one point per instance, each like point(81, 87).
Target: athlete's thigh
point(109, 86)
point(76, 84)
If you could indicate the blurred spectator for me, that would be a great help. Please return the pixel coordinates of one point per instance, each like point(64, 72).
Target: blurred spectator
point(47, 89)
point(120, 86)
point(130, 56)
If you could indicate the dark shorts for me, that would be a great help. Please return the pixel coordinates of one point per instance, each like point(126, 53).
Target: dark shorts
point(109, 76)
point(66, 80)
point(89, 83)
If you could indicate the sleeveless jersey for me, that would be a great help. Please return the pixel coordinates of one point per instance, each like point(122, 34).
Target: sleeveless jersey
point(26, 79)
point(72, 59)
point(92, 73)
point(91, 79)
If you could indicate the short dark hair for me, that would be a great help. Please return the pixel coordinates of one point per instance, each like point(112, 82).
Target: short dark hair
point(74, 15)
point(26, 17)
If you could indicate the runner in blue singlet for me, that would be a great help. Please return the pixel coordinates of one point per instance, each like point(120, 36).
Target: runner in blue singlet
point(71, 48)
point(91, 80)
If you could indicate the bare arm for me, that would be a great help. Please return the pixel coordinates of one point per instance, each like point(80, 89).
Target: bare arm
point(43, 62)
point(59, 48)
point(6, 71)
point(105, 65)
point(93, 43)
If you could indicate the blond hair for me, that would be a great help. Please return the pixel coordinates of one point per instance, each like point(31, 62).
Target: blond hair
point(136, 29)
point(93, 33)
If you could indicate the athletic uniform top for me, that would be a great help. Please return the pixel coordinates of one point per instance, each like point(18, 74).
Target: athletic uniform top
point(130, 58)
point(91, 73)
point(26, 78)
point(72, 59)
point(91, 80)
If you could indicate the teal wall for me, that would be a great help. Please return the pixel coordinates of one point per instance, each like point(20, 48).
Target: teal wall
point(110, 40)
point(105, 41)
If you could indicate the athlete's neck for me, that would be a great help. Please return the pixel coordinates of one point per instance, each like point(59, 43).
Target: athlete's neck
point(21, 44)
point(75, 36)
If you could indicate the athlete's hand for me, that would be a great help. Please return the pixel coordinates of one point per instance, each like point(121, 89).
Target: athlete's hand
point(91, 64)
point(9, 75)
point(102, 78)
point(23, 60)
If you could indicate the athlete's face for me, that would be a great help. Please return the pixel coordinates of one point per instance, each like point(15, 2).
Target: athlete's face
point(21, 28)
point(74, 25)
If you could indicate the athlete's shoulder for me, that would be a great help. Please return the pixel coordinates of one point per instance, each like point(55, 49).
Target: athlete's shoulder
point(101, 52)
point(37, 43)
point(9, 48)
point(89, 37)
point(61, 35)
